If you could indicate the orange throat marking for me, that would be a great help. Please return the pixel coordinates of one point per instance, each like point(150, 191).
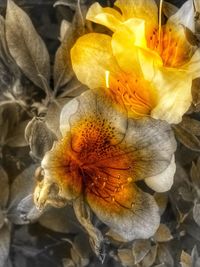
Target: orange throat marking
point(171, 45)
point(132, 93)
point(102, 164)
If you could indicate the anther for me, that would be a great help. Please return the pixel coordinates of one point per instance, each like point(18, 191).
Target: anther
point(121, 186)
point(113, 199)
point(129, 180)
point(103, 185)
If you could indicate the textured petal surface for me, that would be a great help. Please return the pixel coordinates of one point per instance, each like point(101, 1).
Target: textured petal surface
point(106, 16)
point(91, 57)
point(142, 9)
point(91, 104)
point(164, 181)
point(132, 214)
point(174, 89)
point(125, 42)
point(152, 144)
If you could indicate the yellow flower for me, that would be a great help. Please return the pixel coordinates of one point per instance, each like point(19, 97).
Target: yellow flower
point(145, 66)
point(100, 157)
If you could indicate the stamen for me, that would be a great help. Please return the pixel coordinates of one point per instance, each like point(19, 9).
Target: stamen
point(160, 20)
point(107, 78)
point(129, 180)
point(168, 47)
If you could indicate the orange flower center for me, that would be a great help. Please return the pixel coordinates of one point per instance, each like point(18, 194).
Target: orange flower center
point(171, 45)
point(132, 93)
point(100, 161)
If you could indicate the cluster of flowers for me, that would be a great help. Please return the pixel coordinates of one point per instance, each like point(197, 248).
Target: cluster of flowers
point(118, 133)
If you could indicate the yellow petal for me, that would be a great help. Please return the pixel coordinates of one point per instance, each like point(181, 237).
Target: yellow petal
point(125, 42)
point(174, 94)
point(91, 57)
point(149, 61)
point(106, 16)
point(131, 213)
point(142, 9)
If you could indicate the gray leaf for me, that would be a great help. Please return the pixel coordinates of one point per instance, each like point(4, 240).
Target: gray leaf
point(186, 138)
point(196, 212)
point(195, 257)
point(68, 263)
point(149, 259)
point(73, 88)
point(70, 3)
point(17, 138)
point(96, 239)
point(126, 257)
point(192, 124)
point(9, 71)
point(26, 46)
point(78, 258)
point(195, 174)
point(164, 256)
point(163, 234)
point(185, 260)
point(60, 220)
point(9, 118)
point(169, 9)
point(196, 91)
point(62, 68)
point(161, 200)
point(22, 186)
point(82, 245)
point(4, 244)
point(39, 137)
point(28, 212)
point(140, 249)
point(4, 184)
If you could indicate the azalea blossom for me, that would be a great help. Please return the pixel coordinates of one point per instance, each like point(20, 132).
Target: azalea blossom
point(101, 156)
point(145, 66)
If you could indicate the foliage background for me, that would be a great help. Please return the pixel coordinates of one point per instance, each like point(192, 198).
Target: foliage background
point(38, 244)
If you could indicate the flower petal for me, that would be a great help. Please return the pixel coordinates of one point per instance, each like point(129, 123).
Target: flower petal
point(193, 66)
point(106, 16)
point(185, 16)
point(149, 62)
point(130, 49)
point(67, 111)
point(55, 164)
point(140, 148)
point(163, 182)
point(174, 89)
point(91, 56)
point(91, 104)
point(142, 9)
point(152, 143)
point(125, 42)
point(132, 214)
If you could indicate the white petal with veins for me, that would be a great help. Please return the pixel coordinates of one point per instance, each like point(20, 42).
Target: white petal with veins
point(185, 15)
point(163, 181)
